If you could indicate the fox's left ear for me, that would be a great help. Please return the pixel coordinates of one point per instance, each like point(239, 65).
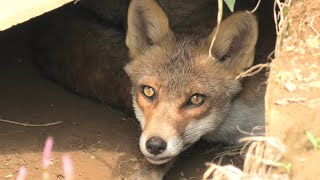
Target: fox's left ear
point(235, 42)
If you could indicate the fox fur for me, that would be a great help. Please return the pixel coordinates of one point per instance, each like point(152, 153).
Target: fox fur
point(85, 54)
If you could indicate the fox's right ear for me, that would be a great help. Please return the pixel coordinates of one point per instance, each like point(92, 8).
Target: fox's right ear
point(236, 40)
point(147, 23)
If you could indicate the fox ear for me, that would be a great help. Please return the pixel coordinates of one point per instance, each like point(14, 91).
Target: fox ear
point(147, 23)
point(235, 41)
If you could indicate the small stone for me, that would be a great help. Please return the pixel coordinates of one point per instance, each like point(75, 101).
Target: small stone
point(133, 159)
point(313, 43)
point(290, 48)
point(9, 176)
point(290, 86)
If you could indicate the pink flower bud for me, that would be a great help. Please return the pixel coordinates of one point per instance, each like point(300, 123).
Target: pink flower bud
point(47, 152)
point(67, 167)
point(22, 173)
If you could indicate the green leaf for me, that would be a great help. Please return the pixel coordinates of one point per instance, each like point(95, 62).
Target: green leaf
point(286, 167)
point(230, 4)
point(312, 139)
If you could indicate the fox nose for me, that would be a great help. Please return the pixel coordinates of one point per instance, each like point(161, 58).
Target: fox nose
point(156, 145)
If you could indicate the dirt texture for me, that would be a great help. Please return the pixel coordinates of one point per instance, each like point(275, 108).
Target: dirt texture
point(293, 100)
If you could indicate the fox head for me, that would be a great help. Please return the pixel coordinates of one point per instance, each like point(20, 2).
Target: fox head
point(179, 93)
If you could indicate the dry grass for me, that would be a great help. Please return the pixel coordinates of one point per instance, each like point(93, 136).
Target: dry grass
point(281, 22)
point(30, 125)
point(261, 162)
point(219, 18)
point(253, 70)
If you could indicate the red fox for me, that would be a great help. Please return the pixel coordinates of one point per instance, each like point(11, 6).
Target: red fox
point(179, 93)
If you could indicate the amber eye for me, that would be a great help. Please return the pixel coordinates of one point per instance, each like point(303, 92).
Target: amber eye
point(148, 91)
point(196, 100)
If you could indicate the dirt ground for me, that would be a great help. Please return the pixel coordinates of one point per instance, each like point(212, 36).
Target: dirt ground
point(293, 100)
point(102, 142)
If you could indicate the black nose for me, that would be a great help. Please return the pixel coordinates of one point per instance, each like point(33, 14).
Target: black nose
point(156, 145)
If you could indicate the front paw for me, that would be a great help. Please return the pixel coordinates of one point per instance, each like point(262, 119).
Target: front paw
point(147, 174)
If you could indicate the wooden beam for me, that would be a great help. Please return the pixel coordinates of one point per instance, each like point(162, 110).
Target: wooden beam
point(17, 11)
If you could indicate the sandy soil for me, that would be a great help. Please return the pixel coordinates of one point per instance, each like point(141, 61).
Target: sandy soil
point(92, 133)
point(293, 101)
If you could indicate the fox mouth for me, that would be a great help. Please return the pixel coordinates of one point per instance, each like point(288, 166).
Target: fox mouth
point(158, 161)
point(163, 160)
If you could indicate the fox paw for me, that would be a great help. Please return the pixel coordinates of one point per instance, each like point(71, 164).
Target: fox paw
point(146, 175)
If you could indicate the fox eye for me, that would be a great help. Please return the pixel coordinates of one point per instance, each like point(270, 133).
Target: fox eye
point(196, 100)
point(148, 91)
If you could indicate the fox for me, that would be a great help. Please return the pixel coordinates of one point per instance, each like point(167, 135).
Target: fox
point(177, 92)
